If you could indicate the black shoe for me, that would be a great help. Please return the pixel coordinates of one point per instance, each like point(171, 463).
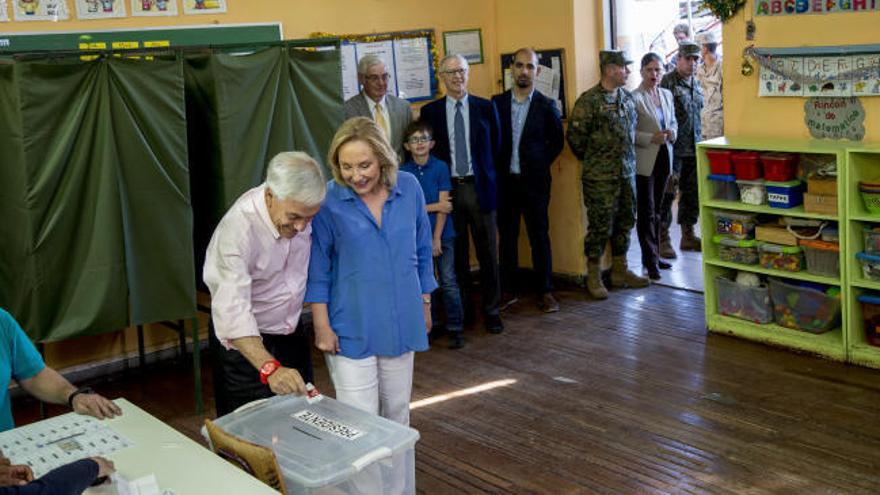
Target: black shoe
point(663, 265)
point(653, 273)
point(456, 340)
point(493, 324)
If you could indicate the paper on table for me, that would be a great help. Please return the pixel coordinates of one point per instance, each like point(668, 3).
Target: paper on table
point(146, 485)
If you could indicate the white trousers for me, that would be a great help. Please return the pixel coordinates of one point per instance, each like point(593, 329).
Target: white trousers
point(378, 385)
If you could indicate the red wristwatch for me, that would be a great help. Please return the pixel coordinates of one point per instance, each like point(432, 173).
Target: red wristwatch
point(267, 369)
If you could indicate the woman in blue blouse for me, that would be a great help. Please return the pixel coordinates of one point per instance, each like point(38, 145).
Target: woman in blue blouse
point(371, 273)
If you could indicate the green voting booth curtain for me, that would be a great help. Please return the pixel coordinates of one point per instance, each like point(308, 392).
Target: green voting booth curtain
point(242, 109)
point(110, 169)
point(98, 192)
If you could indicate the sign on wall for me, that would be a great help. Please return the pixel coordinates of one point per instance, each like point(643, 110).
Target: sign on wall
point(100, 9)
point(826, 76)
point(153, 7)
point(835, 118)
point(807, 7)
point(204, 6)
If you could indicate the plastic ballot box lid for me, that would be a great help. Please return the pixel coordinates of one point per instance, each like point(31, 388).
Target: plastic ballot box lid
point(320, 443)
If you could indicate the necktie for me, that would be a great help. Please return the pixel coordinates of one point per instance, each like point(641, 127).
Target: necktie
point(381, 122)
point(461, 154)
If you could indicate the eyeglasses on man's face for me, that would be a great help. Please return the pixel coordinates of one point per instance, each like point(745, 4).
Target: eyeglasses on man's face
point(455, 72)
point(378, 77)
point(424, 138)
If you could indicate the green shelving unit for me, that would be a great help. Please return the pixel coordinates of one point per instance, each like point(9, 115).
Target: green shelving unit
point(841, 343)
point(862, 163)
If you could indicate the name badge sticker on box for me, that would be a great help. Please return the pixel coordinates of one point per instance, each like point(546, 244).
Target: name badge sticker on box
point(327, 425)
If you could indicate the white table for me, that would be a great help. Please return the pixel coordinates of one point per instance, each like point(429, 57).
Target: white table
point(179, 463)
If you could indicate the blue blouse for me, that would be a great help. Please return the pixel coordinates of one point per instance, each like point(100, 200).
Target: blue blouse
point(372, 277)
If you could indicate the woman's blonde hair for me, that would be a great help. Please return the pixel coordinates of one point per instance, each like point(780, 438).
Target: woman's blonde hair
point(364, 129)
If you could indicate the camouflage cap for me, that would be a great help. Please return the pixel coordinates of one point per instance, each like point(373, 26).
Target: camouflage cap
point(616, 57)
point(706, 38)
point(688, 49)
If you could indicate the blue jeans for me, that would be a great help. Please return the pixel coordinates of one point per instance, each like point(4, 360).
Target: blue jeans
point(444, 265)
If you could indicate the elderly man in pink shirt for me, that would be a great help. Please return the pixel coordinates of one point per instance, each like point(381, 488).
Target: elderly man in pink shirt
point(256, 268)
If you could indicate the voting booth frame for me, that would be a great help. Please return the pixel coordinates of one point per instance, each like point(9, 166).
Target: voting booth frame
point(855, 162)
point(120, 163)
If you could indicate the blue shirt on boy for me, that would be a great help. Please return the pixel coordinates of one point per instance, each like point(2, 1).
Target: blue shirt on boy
point(434, 178)
point(19, 360)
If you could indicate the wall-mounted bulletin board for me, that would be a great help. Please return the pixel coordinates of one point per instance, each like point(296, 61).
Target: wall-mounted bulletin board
point(550, 81)
point(410, 57)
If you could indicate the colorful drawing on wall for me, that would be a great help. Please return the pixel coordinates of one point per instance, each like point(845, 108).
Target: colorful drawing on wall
point(100, 9)
point(824, 73)
point(153, 7)
point(866, 81)
point(40, 10)
point(4, 15)
point(770, 81)
point(204, 6)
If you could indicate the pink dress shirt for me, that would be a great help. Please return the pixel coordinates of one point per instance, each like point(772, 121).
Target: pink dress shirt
point(256, 277)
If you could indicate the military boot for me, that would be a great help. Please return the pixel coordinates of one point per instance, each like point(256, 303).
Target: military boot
point(594, 280)
point(666, 250)
point(689, 240)
point(622, 276)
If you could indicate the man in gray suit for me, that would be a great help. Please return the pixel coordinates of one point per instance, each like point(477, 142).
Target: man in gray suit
point(391, 113)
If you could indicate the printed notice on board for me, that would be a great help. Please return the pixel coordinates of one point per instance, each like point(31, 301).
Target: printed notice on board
point(153, 7)
point(413, 67)
point(36, 10)
point(3, 15)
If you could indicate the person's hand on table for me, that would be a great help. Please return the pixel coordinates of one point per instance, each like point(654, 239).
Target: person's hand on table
point(95, 405)
point(326, 339)
point(286, 381)
point(105, 466)
point(14, 475)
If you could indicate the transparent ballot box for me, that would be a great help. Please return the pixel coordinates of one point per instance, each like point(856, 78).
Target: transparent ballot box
point(328, 447)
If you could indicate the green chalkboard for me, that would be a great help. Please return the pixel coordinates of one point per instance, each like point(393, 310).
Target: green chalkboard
point(141, 38)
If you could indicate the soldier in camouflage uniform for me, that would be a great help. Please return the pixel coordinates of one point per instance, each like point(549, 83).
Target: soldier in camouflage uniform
point(601, 132)
point(709, 75)
point(688, 99)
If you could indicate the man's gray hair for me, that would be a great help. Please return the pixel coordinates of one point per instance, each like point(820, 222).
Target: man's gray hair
point(297, 176)
point(683, 28)
point(368, 61)
point(460, 57)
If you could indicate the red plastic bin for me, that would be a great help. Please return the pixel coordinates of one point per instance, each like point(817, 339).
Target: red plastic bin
point(747, 165)
point(719, 161)
point(779, 167)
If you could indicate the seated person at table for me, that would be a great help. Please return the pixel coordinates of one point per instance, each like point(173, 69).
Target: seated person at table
point(20, 360)
point(70, 479)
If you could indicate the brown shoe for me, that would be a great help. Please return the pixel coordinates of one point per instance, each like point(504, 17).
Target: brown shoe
point(689, 240)
point(594, 281)
point(665, 249)
point(549, 303)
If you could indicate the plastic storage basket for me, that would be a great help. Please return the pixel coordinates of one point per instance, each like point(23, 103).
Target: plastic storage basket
point(871, 316)
point(804, 308)
point(743, 301)
point(719, 161)
point(870, 193)
point(872, 240)
point(744, 251)
point(328, 446)
point(747, 165)
point(785, 194)
point(736, 225)
point(823, 258)
point(752, 192)
point(870, 266)
point(779, 257)
point(724, 187)
point(779, 167)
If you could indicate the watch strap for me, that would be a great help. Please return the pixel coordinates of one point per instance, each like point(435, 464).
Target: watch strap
point(81, 390)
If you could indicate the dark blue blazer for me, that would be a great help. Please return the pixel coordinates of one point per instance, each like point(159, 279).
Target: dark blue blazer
point(485, 142)
point(541, 141)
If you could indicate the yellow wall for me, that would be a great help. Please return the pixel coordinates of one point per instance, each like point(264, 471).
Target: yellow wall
point(747, 115)
point(506, 25)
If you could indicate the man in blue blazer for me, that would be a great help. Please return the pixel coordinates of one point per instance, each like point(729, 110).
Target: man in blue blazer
point(466, 133)
point(531, 139)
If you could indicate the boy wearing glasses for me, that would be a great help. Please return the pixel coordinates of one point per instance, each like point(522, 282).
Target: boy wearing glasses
point(433, 175)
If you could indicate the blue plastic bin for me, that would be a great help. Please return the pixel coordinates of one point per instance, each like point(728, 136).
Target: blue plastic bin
point(785, 194)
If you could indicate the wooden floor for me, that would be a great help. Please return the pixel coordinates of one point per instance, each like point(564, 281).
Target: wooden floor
point(623, 396)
